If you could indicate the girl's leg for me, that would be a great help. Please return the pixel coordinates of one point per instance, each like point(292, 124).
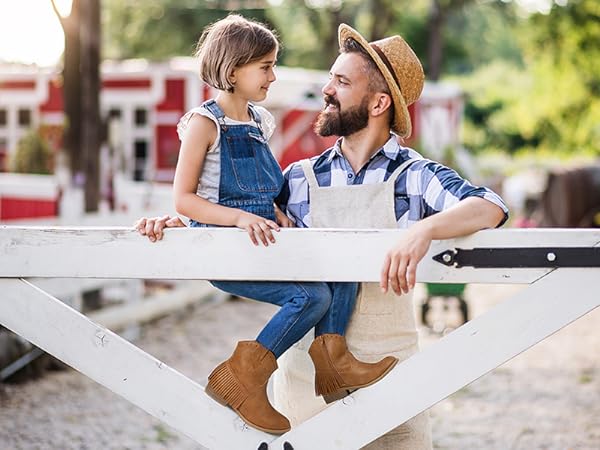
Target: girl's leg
point(302, 307)
point(337, 371)
point(335, 320)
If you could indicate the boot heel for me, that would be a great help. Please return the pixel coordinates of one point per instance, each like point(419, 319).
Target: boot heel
point(216, 397)
point(337, 395)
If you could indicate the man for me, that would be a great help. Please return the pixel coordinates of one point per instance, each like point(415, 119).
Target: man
point(368, 180)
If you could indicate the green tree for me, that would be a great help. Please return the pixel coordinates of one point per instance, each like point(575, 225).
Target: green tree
point(552, 102)
point(160, 29)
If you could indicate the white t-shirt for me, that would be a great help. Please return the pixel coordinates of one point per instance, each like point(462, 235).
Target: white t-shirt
point(208, 184)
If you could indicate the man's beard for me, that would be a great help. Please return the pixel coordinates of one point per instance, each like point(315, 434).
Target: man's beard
point(342, 123)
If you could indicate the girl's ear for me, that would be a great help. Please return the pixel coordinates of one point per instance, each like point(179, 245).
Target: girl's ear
point(232, 77)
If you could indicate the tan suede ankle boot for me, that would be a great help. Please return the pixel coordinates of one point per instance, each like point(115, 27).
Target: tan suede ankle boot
point(338, 373)
point(241, 383)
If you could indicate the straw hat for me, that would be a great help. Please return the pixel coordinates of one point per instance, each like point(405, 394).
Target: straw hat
point(401, 69)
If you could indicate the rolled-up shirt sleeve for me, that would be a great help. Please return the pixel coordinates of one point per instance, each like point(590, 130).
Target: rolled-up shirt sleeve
point(443, 188)
point(293, 197)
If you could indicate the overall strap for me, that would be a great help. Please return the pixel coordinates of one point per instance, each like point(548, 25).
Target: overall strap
point(256, 117)
point(213, 107)
point(401, 168)
point(309, 174)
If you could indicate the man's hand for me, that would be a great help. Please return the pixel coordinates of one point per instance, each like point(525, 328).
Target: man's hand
point(153, 227)
point(257, 227)
point(400, 266)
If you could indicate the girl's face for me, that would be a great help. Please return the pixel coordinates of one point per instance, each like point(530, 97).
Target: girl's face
point(252, 80)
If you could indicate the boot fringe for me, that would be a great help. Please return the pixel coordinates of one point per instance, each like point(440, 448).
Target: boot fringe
point(223, 383)
point(327, 383)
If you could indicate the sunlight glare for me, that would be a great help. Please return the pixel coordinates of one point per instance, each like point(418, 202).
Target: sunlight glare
point(30, 31)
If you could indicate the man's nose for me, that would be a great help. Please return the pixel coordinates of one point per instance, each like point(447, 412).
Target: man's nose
point(328, 88)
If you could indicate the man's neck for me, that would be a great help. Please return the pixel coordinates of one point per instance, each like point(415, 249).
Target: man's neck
point(358, 148)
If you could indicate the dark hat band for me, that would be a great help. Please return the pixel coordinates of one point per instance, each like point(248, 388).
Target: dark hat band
point(387, 63)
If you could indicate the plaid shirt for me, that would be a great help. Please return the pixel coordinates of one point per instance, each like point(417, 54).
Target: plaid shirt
point(423, 189)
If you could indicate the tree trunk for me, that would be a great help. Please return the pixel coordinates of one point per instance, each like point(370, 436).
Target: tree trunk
point(90, 101)
point(72, 86)
point(382, 16)
point(435, 26)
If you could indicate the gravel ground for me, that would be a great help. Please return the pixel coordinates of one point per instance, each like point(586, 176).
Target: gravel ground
point(546, 398)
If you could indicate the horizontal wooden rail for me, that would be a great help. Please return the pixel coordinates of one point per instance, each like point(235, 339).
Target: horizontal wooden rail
point(556, 297)
point(228, 254)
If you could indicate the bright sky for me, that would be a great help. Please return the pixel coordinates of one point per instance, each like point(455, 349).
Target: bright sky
point(31, 33)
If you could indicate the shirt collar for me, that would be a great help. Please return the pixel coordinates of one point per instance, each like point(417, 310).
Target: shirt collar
point(390, 149)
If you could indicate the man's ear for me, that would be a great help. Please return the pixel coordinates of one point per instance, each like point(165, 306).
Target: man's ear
point(380, 103)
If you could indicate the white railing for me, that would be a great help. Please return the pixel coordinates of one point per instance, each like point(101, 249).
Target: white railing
point(556, 296)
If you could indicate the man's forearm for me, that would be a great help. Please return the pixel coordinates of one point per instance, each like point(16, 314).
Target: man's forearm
point(466, 217)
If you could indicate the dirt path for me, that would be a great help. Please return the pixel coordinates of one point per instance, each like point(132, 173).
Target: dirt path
point(546, 398)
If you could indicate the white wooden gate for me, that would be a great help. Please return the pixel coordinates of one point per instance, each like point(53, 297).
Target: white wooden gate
point(557, 296)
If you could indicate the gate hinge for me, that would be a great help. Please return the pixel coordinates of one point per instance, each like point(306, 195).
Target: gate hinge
point(521, 257)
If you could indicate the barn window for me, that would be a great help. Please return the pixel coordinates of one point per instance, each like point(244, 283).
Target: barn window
point(24, 117)
point(141, 117)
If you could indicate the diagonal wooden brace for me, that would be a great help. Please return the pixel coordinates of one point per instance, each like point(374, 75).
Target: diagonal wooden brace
point(123, 368)
point(458, 359)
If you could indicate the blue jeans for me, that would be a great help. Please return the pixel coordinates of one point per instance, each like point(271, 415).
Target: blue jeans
point(325, 306)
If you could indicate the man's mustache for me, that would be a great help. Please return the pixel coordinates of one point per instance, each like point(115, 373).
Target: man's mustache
point(330, 100)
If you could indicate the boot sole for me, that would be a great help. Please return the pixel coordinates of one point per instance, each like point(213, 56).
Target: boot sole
point(346, 391)
point(216, 397)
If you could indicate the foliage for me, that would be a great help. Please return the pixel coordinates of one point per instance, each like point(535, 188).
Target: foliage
point(33, 155)
point(159, 29)
point(532, 82)
point(550, 104)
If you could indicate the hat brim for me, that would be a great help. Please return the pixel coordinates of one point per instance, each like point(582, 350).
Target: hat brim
point(401, 124)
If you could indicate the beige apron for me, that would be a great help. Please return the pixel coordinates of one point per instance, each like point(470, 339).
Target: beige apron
point(381, 325)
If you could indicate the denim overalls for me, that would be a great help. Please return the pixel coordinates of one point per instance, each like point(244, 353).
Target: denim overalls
point(250, 180)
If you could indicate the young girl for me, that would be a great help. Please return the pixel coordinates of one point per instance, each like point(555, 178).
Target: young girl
point(226, 175)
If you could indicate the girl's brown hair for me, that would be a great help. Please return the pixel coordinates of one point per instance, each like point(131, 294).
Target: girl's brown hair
point(229, 43)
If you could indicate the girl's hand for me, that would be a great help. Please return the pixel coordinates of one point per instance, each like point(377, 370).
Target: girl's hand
point(257, 227)
point(283, 220)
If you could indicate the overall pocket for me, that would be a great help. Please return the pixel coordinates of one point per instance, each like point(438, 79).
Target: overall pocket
point(254, 166)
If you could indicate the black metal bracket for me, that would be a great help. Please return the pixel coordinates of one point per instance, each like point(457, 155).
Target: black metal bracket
point(520, 257)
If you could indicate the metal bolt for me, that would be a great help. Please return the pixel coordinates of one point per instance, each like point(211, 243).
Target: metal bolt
point(349, 400)
point(447, 257)
point(550, 256)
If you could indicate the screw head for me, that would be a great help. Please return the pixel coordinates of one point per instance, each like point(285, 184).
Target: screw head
point(446, 257)
point(551, 257)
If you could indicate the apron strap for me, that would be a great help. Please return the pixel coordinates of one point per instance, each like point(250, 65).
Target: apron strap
point(400, 169)
point(309, 173)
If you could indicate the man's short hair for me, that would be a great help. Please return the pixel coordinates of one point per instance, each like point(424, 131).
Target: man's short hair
point(377, 81)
